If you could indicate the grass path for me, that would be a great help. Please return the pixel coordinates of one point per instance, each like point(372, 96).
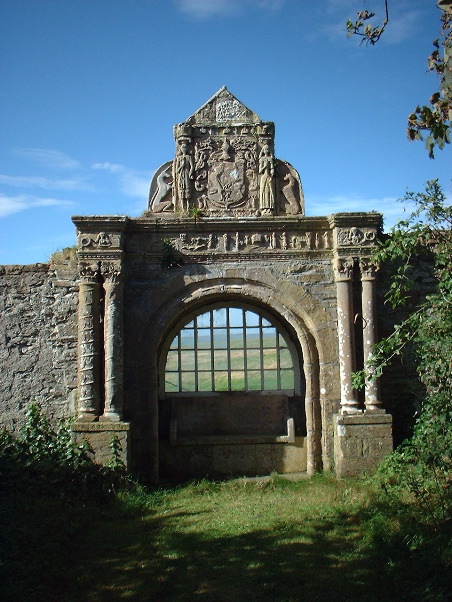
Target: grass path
point(233, 541)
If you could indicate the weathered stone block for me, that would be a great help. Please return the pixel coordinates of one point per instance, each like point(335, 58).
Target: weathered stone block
point(361, 442)
point(99, 436)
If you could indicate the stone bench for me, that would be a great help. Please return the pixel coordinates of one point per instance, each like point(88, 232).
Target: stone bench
point(232, 419)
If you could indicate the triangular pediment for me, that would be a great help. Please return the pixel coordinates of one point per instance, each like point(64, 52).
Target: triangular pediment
point(223, 108)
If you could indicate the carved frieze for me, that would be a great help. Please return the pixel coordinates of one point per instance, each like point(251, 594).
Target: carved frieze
point(356, 237)
point(248, 241)
point(103, 241)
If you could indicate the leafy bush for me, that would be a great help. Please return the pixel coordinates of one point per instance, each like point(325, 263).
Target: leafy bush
point(50, 492)
point(45, 459)
point(415, 505)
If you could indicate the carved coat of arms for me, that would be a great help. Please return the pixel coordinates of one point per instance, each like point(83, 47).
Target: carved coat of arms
point(225, 165)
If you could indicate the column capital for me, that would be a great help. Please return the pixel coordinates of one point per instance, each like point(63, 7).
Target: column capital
point(111, 271)
point(88, 272)
point(368, 268)
point(343, 268)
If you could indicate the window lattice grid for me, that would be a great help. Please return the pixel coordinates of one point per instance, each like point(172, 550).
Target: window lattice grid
point(228, 349)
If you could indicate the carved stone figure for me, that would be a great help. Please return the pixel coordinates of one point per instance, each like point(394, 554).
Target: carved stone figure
point(160, 198)
point(290, 199)
point(266, 186)
point(184, 173)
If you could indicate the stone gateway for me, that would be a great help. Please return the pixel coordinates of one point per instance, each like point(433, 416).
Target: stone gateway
point(218, 332)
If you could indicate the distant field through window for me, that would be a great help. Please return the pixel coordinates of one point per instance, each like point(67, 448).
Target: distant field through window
point(229, 349)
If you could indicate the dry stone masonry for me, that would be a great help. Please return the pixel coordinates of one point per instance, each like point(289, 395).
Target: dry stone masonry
point(217, 333)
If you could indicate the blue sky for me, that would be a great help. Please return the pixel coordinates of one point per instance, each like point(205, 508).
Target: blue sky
point(92, 89)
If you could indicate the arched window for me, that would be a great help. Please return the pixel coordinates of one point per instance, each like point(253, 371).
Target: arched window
point(229, 348)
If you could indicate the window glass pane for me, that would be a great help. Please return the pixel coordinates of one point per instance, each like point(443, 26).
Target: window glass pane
point(187, 360)
point(251, 318)
point(270, 359)
point(252, 337)
point(235, 316)
point(270, 379)
point(175, 343)
point(171, 383)
point(204, 359)
point(221, 360)
point(237, 380)
point(236, 338)
point(265, 322)
point(221, 381)
point(203, 320)
point(219, 317)
point(269, 337)
point(287, 379)
point(282, 342)
point(172, 361)
point(204, 338)
point(285, 358)
point(237, 359)
point(187, 339)
point(188, 381)
point(205, 381)
point(220, 338)
point(253, 359)
point(254, 380)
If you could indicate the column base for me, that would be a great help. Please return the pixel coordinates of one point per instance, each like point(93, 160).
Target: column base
point(350, 407)
point(361, 442)
point(110, 417)
point(99, 436)
point(87, 416)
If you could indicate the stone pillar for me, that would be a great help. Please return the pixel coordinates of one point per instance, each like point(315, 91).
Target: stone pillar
point(88, 343)
point(368, 273)
point(113, 341)
point(345, 330)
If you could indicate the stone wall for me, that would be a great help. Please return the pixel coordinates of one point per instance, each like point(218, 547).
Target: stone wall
point(38, 318)
point(401, 390)
point(38, 322)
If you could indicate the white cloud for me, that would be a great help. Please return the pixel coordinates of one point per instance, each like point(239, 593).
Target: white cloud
point(44, 183)
point(112, 167)
point(15, 204)
point(49, 158)
point(135, 185)
point(401, 27)
point(391, 210)
point(132, 183)
point(271, 4)
point(206, 9)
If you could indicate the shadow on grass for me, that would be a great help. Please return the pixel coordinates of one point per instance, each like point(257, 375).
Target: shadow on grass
point(180, 544)
point(147, 558)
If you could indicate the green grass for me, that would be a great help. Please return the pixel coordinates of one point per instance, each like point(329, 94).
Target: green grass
point(267, 540)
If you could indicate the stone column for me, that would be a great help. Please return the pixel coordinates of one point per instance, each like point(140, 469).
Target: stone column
point(113, 341)
point(368, 274)
point(345, 329)
point(88, 343)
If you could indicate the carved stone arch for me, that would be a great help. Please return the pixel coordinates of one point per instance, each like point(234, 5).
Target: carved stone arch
point(300, 314)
